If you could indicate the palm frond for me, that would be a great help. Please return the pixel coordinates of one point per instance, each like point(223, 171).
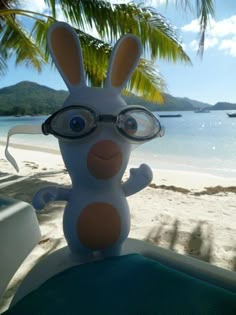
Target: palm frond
point(96, 57)
point(113, 20)
point(204, 10)
point(110, 21)
point(15, 40)
point(39, 33)
point(3, 66)
point(52, 5)
point(146, 81)
point(7, 4)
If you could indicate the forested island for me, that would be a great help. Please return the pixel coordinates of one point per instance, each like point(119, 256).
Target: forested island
point(29, 98)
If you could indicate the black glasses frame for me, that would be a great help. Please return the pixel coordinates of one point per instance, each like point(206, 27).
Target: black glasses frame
point(143, 110)
point(47, 129)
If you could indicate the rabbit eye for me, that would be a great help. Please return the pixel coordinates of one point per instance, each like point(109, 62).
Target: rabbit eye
point(130, 125)
point(73, 122)
point(77, 124)
point(138, 124)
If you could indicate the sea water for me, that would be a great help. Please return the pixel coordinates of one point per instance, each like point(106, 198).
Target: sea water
point(203, 142)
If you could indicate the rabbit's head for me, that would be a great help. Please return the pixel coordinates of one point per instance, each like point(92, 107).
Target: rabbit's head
point(95, 127)
point(103, 152)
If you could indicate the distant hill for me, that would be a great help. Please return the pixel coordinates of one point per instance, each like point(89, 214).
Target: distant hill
point(177, 103)
point(28, 98)
point(224, 106)
point(197, 104)
point(171, 103)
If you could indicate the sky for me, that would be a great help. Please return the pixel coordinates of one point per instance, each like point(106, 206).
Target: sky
point(210, 79)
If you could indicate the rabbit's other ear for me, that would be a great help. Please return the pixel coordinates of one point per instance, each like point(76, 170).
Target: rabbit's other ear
point(123, 61)
point(64, 47)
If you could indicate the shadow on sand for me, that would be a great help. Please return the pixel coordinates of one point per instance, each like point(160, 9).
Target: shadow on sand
point(24, 188)
point(197, 244)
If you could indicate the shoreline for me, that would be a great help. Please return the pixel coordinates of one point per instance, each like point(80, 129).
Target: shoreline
point(166, 174)
point(29, 147)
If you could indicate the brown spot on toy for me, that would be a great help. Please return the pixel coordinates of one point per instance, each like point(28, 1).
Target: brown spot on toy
point(98, 226)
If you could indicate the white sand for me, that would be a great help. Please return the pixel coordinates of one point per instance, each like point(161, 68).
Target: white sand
point(176, 212)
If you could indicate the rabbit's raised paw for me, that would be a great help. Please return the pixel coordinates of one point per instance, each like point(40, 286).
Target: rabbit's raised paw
point(143, 174)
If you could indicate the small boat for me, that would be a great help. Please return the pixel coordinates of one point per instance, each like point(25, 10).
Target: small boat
point(170, 115)
point(231, 114)
point(202, 110)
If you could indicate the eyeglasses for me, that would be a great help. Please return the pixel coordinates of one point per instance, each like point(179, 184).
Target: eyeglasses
point(75, 122)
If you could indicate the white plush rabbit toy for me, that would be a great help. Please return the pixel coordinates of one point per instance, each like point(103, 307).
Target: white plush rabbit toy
point(96, 130)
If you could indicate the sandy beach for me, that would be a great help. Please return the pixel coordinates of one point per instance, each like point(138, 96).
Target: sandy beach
point(188, 212)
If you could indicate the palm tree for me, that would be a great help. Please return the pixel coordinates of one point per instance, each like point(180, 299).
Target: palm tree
point(158, 37)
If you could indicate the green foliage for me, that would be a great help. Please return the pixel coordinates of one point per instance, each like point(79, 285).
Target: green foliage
point(28, 98)
point(224, 106)
point(16, 41)
point(159, 38)
point(171, 103)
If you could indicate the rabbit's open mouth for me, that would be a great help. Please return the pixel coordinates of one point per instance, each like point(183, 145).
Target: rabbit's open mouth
point(104, 159)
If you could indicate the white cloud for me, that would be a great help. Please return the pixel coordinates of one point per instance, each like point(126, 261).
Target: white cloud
point(193, 27)
point(218, 29)
point(209, 43)
point(193, 45)
point(223, 28)
point(229, 46)
point(219, 34)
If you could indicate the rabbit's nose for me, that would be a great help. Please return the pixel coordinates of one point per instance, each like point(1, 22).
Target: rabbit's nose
point(104, 159)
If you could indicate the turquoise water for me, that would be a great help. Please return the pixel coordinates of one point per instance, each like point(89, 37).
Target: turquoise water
point(205, 142)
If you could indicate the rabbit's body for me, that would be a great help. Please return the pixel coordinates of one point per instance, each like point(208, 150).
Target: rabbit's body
point(97, 214)
point(96, 217)
point(96, 220)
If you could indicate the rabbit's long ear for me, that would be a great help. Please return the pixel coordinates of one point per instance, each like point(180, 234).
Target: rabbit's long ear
point(64, 47)
point(123, 61)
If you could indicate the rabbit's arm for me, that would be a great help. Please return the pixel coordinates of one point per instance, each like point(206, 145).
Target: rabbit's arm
point(139, 179)
point(50, 193)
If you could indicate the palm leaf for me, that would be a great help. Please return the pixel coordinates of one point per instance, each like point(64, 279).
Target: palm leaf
point(112, 21)
point(39, 33)
point(7, 4)
point(204, 10)
point(52, 5)
point(14, 40)
point(3, 66)
point(96, 56)
point(146, 81)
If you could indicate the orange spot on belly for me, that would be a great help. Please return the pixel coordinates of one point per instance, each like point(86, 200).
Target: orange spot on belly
point(98, 226)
